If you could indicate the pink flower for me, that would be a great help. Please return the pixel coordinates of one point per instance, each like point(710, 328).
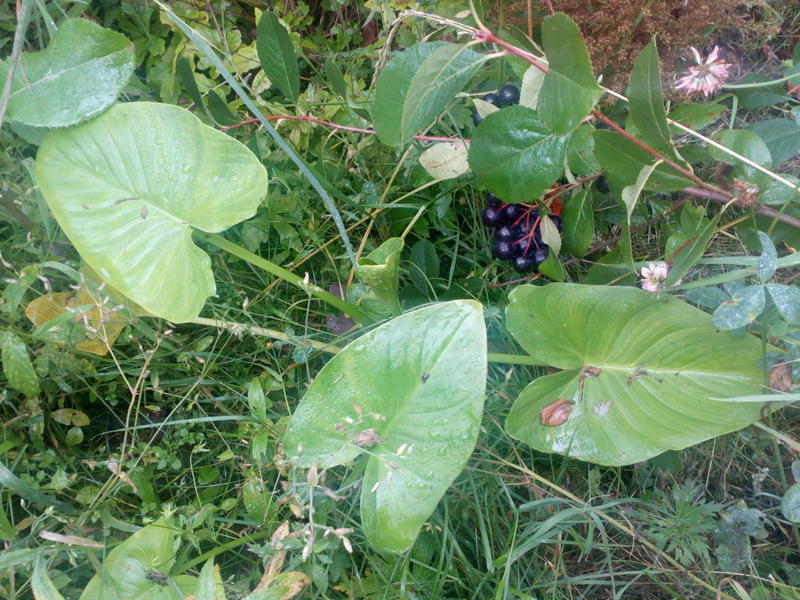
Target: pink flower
point(706, 77)
point(653, 276)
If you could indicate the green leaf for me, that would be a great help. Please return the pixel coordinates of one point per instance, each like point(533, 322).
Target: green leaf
point(743, 307)
point(138, 568)
point(43, 588)
point(790, 503)
point(515, 155)
point(623, 161)
point(550, 235)
point(424, 265)
point(209, 583)
point(581, 158)
point(78, 76)
point(782, 137)
point(630, 196)
point(17, 365)
point(531, 86)
point(760, 97)
point(744, 142)
point(284, 586)
point(569, 90)
point(128, 187)
point(787, 300)
point(185, 72)
point(418, 84)
point(578, 218)
point(655, 362)
point(28, 492)
point(683, 250)
point(775, 193)
point(768, 261)
point(380, 270)
point(276, 53)
point(409, 392)
point(696, 115)
point(335, 77)
point(646, 103)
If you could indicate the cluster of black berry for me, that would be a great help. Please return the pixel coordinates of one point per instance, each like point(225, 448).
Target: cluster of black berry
point(507, 96)
point(517, 234)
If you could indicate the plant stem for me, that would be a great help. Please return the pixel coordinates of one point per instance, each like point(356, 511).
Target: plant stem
point(262, 263)
point(744, 86)
point(16, 49)
point(264, 332)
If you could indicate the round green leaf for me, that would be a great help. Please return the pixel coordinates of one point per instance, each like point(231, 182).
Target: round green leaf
point(410, 393)
point(790, 504)
point(639, 373)
point(515, 155)
point(128, 187)
point(787, 300)
point(76, 77)
point(743, 307)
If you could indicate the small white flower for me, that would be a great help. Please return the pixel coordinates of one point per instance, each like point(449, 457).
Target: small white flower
point(653, 276)
point(707, 77)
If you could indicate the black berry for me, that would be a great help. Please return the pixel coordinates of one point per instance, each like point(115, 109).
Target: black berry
point(492, 216)
point(540, 254)
point(504, 250)
point(509, 95)
point(556, 221)
point(504, 232)
point(602, 184)
point(523, 264)
point(492, 200)
point(523, 245)
point(512, 212)
point(476, 118)
point(492, 99)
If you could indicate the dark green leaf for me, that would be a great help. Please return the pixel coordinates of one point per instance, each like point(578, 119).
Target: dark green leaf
point(787, 300)
point(768, 261)
point(744, 142)
point(418, 84)
point(760, 97)
point(685, 249)
point(646, 103)
point(276, 53)
point(773, 192)
point(743, 307)
point(623, 161)
point(408, 393)
point(219, 110)
point(515, 155)
point(782, 137)
point(580, 152)
point(655, 363)
point(424, 266)
point(707, 297)
point(24, 490)
point(578, 219)
point(78, 76)
point(335, 77)
point(696, 115)
point(186, 75)
point(17, 366)
point(569, 90)
point(43, 588)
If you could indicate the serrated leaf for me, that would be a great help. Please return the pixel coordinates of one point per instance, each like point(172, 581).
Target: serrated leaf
point(128, 188)
point(515, 155)
point(380, 271)
point(623, 161)
point(418, 84)
point(409, 392)
point(569, 90)
point(276, 53)
point(531, 86)
point(578, 219)
point(768, 261)
point(638, 372)
point(17, 365)
point(743, 307)
point(446, 160)
point(78, 76)
point(646, 103)
point(787, 300)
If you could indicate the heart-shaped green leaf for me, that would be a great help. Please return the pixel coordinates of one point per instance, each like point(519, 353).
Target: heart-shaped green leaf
point(639, 373)
point(79, 75)
point(409, 392)
point(418, 84)
point(138, 569)
point(380, 271)
point(569, 90)
point(515, 155)
point(128, 187)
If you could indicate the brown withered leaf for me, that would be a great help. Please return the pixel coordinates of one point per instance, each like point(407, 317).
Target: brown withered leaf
point(780, 377)
point(556, 413)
